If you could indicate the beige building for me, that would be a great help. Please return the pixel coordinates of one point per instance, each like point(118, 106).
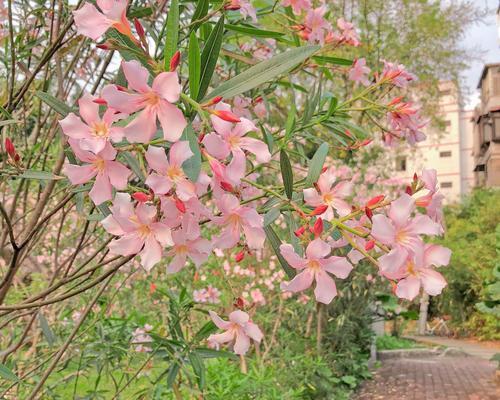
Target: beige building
point(486, 134)
point(448, 150)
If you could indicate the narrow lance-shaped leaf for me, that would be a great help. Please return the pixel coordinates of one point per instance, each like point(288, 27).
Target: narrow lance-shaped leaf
point(172, 32)
point(198, 367)
point(200, 12)
point(275, 244)
point(286, 173)
point(316, 164)
point(192, 166)
point(194, 65)
point(7, 374)
point(263, 72)
point(253, 32)
point(56, 104)
point(209, 56)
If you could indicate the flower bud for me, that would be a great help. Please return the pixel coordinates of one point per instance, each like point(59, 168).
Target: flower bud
point(369, 245)
point(9, 148)
point(141, 197)
point(175, 60)
point(299, 232)
point(152, 288)
point(408, 190)
point(369, 213)
point(239, 303)
point(225, 115)
point(374, 201)
point(240, 256)
point(180, 205)
point(319, 209)
point(212, 102)
point(227, 186)
point(100, 101)
point(139, 28)
point(415, 177)
point(317, 228)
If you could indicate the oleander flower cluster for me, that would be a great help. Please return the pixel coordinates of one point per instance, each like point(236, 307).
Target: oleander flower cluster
point(134, 147)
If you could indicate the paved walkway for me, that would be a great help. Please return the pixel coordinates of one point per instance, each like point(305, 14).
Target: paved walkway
point(473, 348)
point(436, 378)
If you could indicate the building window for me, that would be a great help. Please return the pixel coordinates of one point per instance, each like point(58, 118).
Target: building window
point(445, 185)
point(445, 92)
point(401, 163)
point(443, 154)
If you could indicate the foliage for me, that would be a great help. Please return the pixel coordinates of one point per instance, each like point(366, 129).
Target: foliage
point(389, 342)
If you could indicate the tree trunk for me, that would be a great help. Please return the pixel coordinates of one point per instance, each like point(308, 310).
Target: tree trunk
point(422, 319)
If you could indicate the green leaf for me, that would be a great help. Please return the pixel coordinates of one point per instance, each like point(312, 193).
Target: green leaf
point(134, 164)
point(7, 374)
point(56, 104)
point(210, 353)
point(209, 56)
point(192, 166)
point(198, 367)
point(199, 13)
point(316, 164)
point(139, 12)
point(172, 33)
point(47, 332)
point(204, 331)
point(194, 65)
point(275, 244)
point(172, 373)
point(38, 175)
point(253, 32)
point(286, 173)
point(271, 216)
point(263, 72)
point(127, 48)
point(333, 60)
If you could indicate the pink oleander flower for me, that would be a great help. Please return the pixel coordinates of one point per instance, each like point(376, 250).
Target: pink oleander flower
point(330, 195)
point(155, 102)
point(297, 5)
point(95, 132)
point(401, 232)
point(230, 138)
point(236, 218)
point(317, 27)
point(316, 266)
point(240, 106)
point(397, 74)
point(257, 297)
point(348, 33)
point(101, 166)
point(92, 23)
point(238, 330)
point(140, 338)
point(247, 10)
point(188, 243)
point(359, 72)
point(417, 271)
point(405, 121)
point(168, 173)
point(139, 229)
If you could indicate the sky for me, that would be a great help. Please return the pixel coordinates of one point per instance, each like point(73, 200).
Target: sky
point(484, 36)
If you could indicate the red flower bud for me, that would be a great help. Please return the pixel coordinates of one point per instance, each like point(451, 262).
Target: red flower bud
point(175, 60)
point(319, 210)
point(369, 245)
point(240, 256)
point(100, 101)
point(375, 200)
point(395, 101)
point(317, 228)
point(121, 88)
point(17, 158)
point(348, 133)
point(415, 177)
point(103, 46)
point(369, 213)
point(139, 29)
point(299, 232)
point(408, 190)
point(239, 303)
point(365, 142)
point(211, 102)
point(180, 205)
point(226, 115)
point(227, 186)
point(152, 288)
point(141, 197)
point(9, 148)
point(324, 169)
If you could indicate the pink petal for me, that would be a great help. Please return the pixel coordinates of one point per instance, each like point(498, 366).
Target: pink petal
point(423, 225)
point(151, 253)
point(243, 127)
point(436, 255)
point(253, 331)
point(257, 147)
point(127, 245)
point(172, 121)
point(242, 343)
point(159, 184)
point(391, 263)
point(317, 249)
point(401, 209)
point(118, 174)
point(167, 85)
point(239, 317)
point(185, 189)
point(429, 177)
point(383, 230)
point(137, 76)
point(145, 213)
point(179, 152)
point(342, 207)
point(108, 152)
point(215, 146)
point(142, 128)
point(228, 238)
point(121, 101)
point(73, 127)
point(177, 263)
point(343, 189)
point(291, 257)
point(237, 166)
point(228, 204)
point(157, 159)
point(301, 282)
point(101, 191)
point(338, 266)
point(221, 127)
point(255, 237)
point(432, 281)
point(111, 225)
point(408, 288)
point(162, 233)
point(218, 321)
point(90, 22)
point(81, 154)
point(89, 111)
point(79, 174)
point(312, 198)
point(325, 289)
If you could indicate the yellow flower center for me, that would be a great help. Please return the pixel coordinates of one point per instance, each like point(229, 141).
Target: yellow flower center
point(314, 265)
point(175, 173)
point(151, 99)
point(327, 198)
point(100, 129)
point(100, 164)
point(410, 266)
point(234, 141)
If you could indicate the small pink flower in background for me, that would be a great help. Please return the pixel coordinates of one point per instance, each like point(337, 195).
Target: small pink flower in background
point(188, 243)
point(330, 195)
point(209, 295)
point(397, 74)
point(92, 23)
point(401, 232)
point(247, 10)
point(316, 266)
point(297, 5)
point(417, 271)
point(140, 338)
point(257, 297)
point(154, 102)
point(236, 218)
point(359, 72)
point(230, 138)
point(96, 131)
point(348, 33)
point(260, 109)
point(240, 106)
point(303, 299)
point(238, 330)
point(317, 26)
point(168, 173)
point(139, 230)
point(108, 173)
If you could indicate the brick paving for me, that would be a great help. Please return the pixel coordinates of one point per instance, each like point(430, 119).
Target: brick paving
point(436, 378)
